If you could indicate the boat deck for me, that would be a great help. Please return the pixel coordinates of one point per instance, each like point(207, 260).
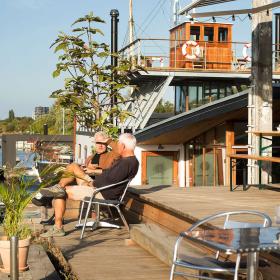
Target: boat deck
point(192, 204)
point(108, 254)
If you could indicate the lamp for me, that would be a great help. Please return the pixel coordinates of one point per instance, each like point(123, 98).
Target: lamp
point(250, 16)
point(233, 17)
point(214, 19)
point(160, 147)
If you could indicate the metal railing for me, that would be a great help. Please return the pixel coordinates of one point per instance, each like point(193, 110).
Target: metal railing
point(169, 54)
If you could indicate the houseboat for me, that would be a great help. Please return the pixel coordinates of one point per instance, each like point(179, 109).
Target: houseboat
point(210, 77)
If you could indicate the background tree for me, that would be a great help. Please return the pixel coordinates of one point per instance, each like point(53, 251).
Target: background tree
point(11, 115)
point(164, 107)
point(91, 82)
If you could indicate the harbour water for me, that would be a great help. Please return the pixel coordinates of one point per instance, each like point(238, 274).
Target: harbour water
point(21, 155)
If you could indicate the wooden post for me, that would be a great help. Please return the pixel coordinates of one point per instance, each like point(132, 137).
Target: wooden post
point(229, 150)
point(260, 96)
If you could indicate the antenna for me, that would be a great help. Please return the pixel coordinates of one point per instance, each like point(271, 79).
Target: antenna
point(176, 8)
point(131, 27)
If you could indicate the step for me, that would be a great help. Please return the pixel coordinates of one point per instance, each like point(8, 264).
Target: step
point(159, 241)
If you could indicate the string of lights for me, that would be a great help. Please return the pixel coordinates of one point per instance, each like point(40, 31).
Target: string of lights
point(230, 18)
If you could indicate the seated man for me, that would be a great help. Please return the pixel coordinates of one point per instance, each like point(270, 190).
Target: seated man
point(101, 159)
point(124, 168)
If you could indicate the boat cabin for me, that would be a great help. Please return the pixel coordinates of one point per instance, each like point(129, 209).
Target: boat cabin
point(201, 45)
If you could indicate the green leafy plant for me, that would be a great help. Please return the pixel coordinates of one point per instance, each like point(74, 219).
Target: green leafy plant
point(91, 83)
point(16, 194)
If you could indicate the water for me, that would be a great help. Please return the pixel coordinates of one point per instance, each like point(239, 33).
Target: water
point(23, 156)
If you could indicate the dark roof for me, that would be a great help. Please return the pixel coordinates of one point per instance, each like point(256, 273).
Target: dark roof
point(218, 110)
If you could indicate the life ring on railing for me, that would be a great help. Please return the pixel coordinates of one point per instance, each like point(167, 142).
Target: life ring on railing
point(244, 52)
point(196, 52)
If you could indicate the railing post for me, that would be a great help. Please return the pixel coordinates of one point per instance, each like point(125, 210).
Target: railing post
point(139, 52)
point(14, 258)
point(175, 55)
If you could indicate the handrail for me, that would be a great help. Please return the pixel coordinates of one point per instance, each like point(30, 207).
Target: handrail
point(260, 158)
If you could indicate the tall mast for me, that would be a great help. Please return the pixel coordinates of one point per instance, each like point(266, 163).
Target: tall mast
point(131, 27)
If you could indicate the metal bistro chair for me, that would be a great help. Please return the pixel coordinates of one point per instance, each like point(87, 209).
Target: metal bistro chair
point(213, 264)
point(97, 202)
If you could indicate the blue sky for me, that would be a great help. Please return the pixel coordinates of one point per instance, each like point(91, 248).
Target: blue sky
point(28, 27)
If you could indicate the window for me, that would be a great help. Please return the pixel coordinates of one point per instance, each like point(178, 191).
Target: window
point(195, 95)
point(214, 91)
point(183, 35)
point(180, 99)
point(195, 33)
point(209, 34)
point(79, 151)
point(223, 34)
point(85, 151)
point(192, 97)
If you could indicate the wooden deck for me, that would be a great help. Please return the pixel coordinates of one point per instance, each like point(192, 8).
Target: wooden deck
point(107, 254)
point(177, 208)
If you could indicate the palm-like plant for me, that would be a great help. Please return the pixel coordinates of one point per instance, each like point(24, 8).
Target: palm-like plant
point(16, 194)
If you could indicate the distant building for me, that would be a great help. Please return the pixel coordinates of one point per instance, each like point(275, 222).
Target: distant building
point(39, 111)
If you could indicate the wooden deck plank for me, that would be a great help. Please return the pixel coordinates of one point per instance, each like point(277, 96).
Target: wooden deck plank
point(103, 254)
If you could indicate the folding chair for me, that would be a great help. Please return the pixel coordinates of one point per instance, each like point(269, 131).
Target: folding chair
point(209, 265)
point(103, 202)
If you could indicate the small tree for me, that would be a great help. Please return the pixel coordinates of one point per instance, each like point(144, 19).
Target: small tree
point(11, 115)
point(164, 107)
point(91, 82)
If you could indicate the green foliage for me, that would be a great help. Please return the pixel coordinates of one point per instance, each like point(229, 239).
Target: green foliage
point(54, 121)
point(18, 124)
point(164, 107)
point(11, 115)
point(91, 83)
point(28, 125)
point(15, 194)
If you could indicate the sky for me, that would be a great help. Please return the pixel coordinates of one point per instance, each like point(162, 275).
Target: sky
point(28, 28)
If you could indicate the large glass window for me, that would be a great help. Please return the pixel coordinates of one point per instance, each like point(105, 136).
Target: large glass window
point(209, 34)
point(214, 91)
point(159, 170)
point(223, 34)
point(192, 97)
point(180, 99)
point(195, 33)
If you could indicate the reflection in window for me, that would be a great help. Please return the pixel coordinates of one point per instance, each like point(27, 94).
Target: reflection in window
point(209, 34)
point(85, 151)
point(223, 34)
point(195, 33)
point(180, 99)
point(214, 91)
point(192, 97)
point(79, 151)
point(222, 91)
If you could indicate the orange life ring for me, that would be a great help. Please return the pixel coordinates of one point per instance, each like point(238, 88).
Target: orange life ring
point(196, 53)
point(244, 52)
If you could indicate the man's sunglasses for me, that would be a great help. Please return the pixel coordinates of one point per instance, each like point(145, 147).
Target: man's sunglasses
point(101, 143)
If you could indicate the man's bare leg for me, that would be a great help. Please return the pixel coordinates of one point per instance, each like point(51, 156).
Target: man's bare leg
point(75, 173)
point(59, 210)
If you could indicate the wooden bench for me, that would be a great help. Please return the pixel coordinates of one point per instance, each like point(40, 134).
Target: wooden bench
point(253, 157)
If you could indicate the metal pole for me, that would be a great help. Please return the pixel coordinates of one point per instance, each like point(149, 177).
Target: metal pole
point(14, 258)
point(114, 47)
point(63, 121)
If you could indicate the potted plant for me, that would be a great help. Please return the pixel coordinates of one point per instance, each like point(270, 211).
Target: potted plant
point(16, 194)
